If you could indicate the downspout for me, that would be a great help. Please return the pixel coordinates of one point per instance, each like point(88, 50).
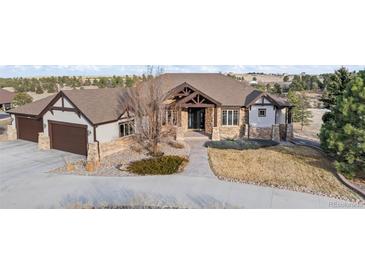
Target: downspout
point(96, 141)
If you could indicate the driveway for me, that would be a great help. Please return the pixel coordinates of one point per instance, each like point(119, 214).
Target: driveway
point(25, 183)
point(19, 159)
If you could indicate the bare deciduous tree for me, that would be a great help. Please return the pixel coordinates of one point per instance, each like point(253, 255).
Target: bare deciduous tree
point(146, 99)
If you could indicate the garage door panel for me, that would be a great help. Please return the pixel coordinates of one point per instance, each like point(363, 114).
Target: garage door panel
point(28, 128)
point(69, 137)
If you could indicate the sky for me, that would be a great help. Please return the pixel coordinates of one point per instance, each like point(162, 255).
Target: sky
point(108, 70)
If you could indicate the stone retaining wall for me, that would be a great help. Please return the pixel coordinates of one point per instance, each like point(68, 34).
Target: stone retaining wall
point(261, 132)
point(115, 146)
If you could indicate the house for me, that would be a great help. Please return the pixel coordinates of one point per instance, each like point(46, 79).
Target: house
point(99, 122)
point(6, 99)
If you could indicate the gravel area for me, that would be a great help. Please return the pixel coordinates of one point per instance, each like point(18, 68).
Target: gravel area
point(113, 164)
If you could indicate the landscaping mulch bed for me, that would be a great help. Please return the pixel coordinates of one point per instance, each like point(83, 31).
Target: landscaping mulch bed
point(115, 165)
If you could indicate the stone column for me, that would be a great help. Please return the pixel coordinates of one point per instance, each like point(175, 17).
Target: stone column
point(275, 133)
point(11, 132)
point(215, 134)
point(209, 120)
point(184, 119)
point(289, 132)
point(93, 153)
point(246, 130)
point(43, 141)
point(179, 134)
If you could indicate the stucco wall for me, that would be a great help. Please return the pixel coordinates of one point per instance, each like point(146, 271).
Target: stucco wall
point(109, 132)
point(256, 121)
point(68, 117)
point(280, 116)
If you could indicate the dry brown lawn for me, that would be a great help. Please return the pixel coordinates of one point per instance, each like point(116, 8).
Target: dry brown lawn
point(297, 168)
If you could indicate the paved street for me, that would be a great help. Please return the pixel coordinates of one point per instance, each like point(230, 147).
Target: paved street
point(25, 183)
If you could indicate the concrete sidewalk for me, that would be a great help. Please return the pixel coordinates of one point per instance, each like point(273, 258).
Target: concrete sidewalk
point(198, 160)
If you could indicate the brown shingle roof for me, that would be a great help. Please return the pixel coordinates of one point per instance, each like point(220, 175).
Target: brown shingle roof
point(34, 108)
point(98, 105)
point(255, 95)
point(103, 105)
point(222, 88)
point(6, 96)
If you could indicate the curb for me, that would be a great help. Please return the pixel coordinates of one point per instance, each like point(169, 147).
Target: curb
point(342, 178)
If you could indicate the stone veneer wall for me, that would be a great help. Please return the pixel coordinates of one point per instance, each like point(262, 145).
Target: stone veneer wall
point(93, 152)
point(275, 135)
point(115, 146)
point(260, 132)
point(282, 128)
point(289, 132)
point(44, 142)
point(184, 119)
point(209, 116)
point(231, 132)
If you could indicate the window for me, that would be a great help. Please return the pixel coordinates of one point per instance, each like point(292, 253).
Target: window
point(230, 117)
point(262, 112)
point(126, 128)
point(170, 117)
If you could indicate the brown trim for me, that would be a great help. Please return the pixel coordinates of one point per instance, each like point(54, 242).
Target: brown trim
point(67, 124)
point(64, 109)
point(80, 112)
point(53, 101)
point(264, 96)
point(17, 127)
point(177, 89)
point(59, 95)
point(198, 105)
point(24, 115)
point(62, 102)
point(115, 120)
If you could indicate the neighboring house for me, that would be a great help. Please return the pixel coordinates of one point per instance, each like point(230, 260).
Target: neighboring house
point(100, 122)
point(6, 99)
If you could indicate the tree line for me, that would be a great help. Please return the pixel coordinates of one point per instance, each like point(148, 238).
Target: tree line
point(53, 84)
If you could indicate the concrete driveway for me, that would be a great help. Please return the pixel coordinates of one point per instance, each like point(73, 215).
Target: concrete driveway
point(25, 183)
point(19, 159)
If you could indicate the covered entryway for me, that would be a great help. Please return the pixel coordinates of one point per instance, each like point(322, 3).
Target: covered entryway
point(196, 118)
point(28, 128)
point(68, 137)
point(196, 111)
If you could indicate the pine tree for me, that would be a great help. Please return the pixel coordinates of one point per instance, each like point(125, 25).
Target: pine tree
point(300, 111)
point(22, 98)
point(336, 85)
point(343, 136)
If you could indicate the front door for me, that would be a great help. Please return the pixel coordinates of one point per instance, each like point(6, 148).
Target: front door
point(196, 118)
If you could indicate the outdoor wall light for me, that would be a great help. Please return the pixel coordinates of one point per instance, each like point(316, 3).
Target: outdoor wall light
point(89, 132)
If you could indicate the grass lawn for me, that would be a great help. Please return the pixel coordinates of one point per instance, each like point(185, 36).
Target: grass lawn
point(291, 167)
